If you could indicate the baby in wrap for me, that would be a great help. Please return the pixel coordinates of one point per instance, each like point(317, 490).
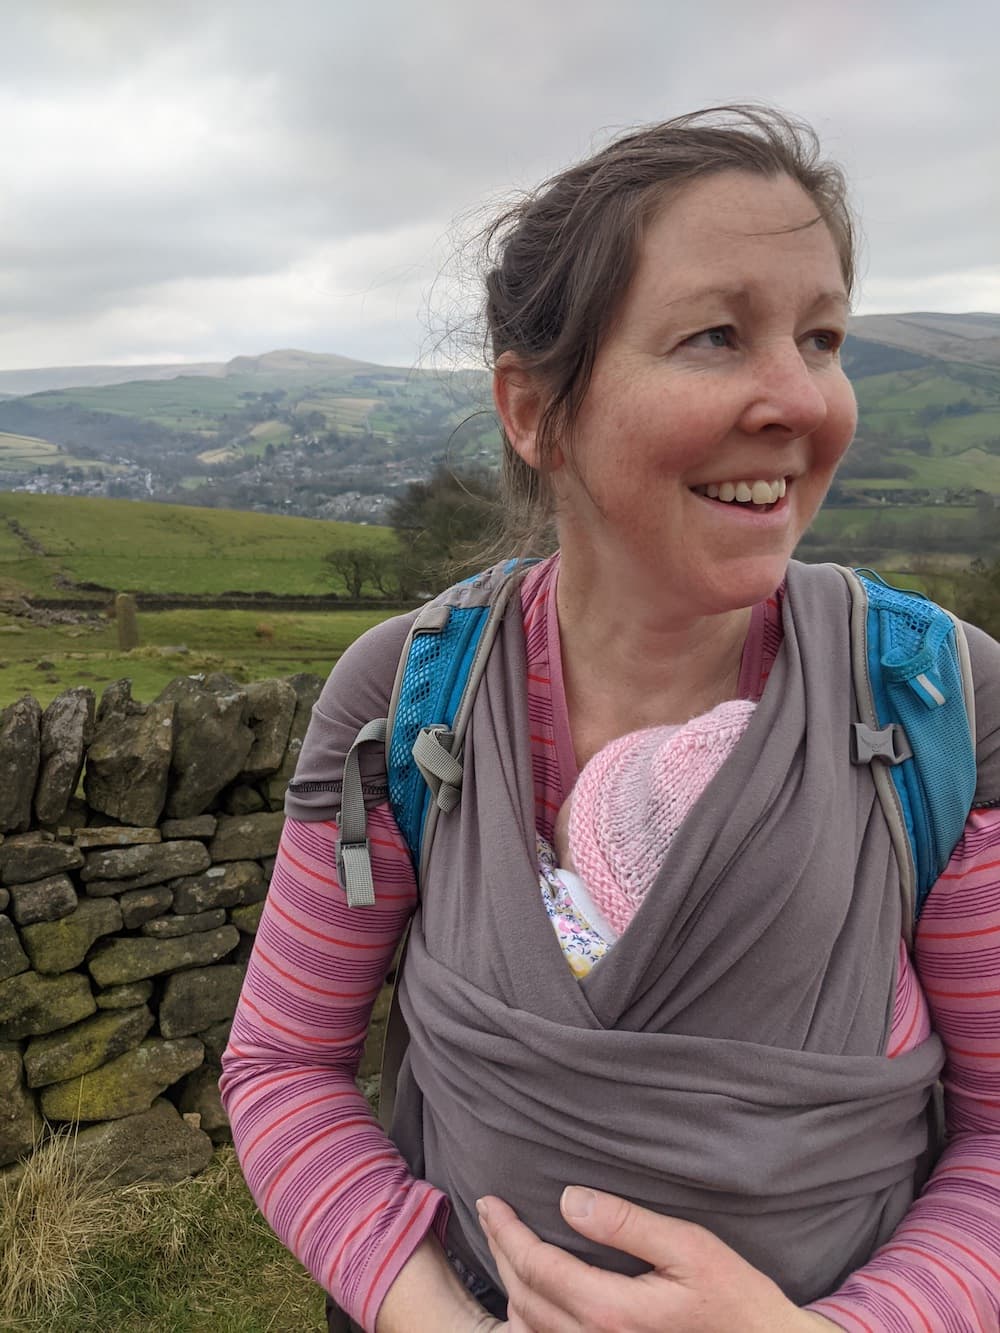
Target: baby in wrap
point(614, 829)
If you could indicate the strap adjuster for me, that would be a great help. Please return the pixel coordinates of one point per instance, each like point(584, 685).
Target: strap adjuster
point(889, 745)
point(354, 870)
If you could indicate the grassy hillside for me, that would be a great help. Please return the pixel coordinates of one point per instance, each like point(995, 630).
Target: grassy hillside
point(49, 542)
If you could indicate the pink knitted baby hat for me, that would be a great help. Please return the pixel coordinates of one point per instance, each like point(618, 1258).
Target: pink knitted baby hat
point(631, 797)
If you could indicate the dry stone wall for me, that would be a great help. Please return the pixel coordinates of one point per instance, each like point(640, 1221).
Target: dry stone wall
point(127, 914)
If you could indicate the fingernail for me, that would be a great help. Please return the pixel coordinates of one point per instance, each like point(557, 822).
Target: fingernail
point(577, 1202)
point(483, 1210)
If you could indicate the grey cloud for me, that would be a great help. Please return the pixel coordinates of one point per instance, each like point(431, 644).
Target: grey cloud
point(309, 123)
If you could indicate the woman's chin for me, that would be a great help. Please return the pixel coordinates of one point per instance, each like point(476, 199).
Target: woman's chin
point(738, 584)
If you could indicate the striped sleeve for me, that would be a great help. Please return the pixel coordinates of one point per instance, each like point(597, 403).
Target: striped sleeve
point(327, 1179)
point(940, 1273)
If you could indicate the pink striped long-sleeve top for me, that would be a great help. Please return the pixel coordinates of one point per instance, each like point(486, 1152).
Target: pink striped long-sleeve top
point(340, 1196)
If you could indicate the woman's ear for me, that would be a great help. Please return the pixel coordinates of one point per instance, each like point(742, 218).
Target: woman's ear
point(520, 404)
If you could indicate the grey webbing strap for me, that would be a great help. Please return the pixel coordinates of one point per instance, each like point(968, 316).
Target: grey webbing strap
point(884, 787)
point(354, 865)
point(440, 769)
point(965, 667)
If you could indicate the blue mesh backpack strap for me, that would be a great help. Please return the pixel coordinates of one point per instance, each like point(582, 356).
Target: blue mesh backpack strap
point(916, 704)
point(440, 669)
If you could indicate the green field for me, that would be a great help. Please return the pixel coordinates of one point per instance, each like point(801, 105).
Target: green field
point(44, 660)
point(25, 453)
point(128, 546)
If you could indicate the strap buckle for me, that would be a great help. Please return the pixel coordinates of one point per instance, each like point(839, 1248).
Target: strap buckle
point(888, 745)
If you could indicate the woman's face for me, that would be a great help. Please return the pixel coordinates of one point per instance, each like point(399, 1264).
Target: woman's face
point(721, 373)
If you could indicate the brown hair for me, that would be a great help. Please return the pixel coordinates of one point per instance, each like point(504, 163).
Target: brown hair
point(560, 261)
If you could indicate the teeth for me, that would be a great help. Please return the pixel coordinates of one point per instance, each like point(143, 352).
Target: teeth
point(746, 492)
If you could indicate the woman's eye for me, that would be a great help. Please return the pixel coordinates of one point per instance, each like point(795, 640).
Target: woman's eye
point(826, 340)
point(720, 336)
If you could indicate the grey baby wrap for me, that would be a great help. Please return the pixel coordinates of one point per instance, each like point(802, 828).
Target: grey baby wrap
point(726, 1061)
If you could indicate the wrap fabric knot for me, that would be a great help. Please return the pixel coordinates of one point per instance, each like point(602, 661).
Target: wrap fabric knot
point(726, 1062)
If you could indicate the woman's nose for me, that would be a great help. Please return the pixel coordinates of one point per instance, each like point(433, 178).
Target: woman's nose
point(786, 394)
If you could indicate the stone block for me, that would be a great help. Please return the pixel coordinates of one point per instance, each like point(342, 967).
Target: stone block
point(215, 1039)
point(244, 800)
point(32, 856)
point(198, 826)
point(155, 1146)
point(20, 1123)
point(307, 690)
point(221, 886)
point(44, 900)
point(142, 905)
point(126, 960)
point(200, 1096)
point(114, 835)
point(128, 761)
point(172, 927)
point(270, 710)
point(20, 751)
point(128, 996)
point(247, 919)
point(13, 959)
point(247, 837)
point(57, 946)
point(127, 1085)
point(211, 745)
point(4, 900)
point(194, 999)
point(151, 864)
point(31, 1004)
point(84, 1046)
point(67, 728)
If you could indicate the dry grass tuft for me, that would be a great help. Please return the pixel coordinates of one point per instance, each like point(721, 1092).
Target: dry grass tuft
point(49, 1218)
point(196, 1257)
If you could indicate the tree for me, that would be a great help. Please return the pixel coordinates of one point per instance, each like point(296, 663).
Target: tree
point(976, 596)
point(441, 525)
point(358, 565)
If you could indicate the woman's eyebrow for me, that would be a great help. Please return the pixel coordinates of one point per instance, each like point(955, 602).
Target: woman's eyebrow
point(744, 296)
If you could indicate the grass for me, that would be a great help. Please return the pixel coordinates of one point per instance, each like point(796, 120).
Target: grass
point(137, 547)
point(196, 1257)
point(247, 645)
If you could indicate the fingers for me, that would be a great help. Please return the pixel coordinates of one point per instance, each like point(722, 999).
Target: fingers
point(674, 1248)
point(548, 1290)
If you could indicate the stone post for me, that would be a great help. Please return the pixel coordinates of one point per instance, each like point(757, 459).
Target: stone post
point(127, 619)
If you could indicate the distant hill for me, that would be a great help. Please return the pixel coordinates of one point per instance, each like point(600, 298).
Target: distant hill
point(18, 383)
point(290, 429)
point(972, 338)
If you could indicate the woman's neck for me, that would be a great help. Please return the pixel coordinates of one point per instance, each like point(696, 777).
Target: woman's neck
point(631, 659)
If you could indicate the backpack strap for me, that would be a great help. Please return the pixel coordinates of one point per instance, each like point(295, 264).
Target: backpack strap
point(437, 676)
point(441, 667)
point(354, 865)
point(916, 704)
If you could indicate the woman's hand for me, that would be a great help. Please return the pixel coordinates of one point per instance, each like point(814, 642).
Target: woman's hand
point(697, 1284)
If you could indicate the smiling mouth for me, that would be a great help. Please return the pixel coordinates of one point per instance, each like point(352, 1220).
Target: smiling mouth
point(759, 496)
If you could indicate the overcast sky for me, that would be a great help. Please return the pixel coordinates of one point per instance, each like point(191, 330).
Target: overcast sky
point(191, 181)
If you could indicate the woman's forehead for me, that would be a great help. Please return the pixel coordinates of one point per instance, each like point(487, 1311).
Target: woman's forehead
point(719, 236)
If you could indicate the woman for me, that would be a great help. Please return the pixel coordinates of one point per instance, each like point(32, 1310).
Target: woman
point(739, 1087)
